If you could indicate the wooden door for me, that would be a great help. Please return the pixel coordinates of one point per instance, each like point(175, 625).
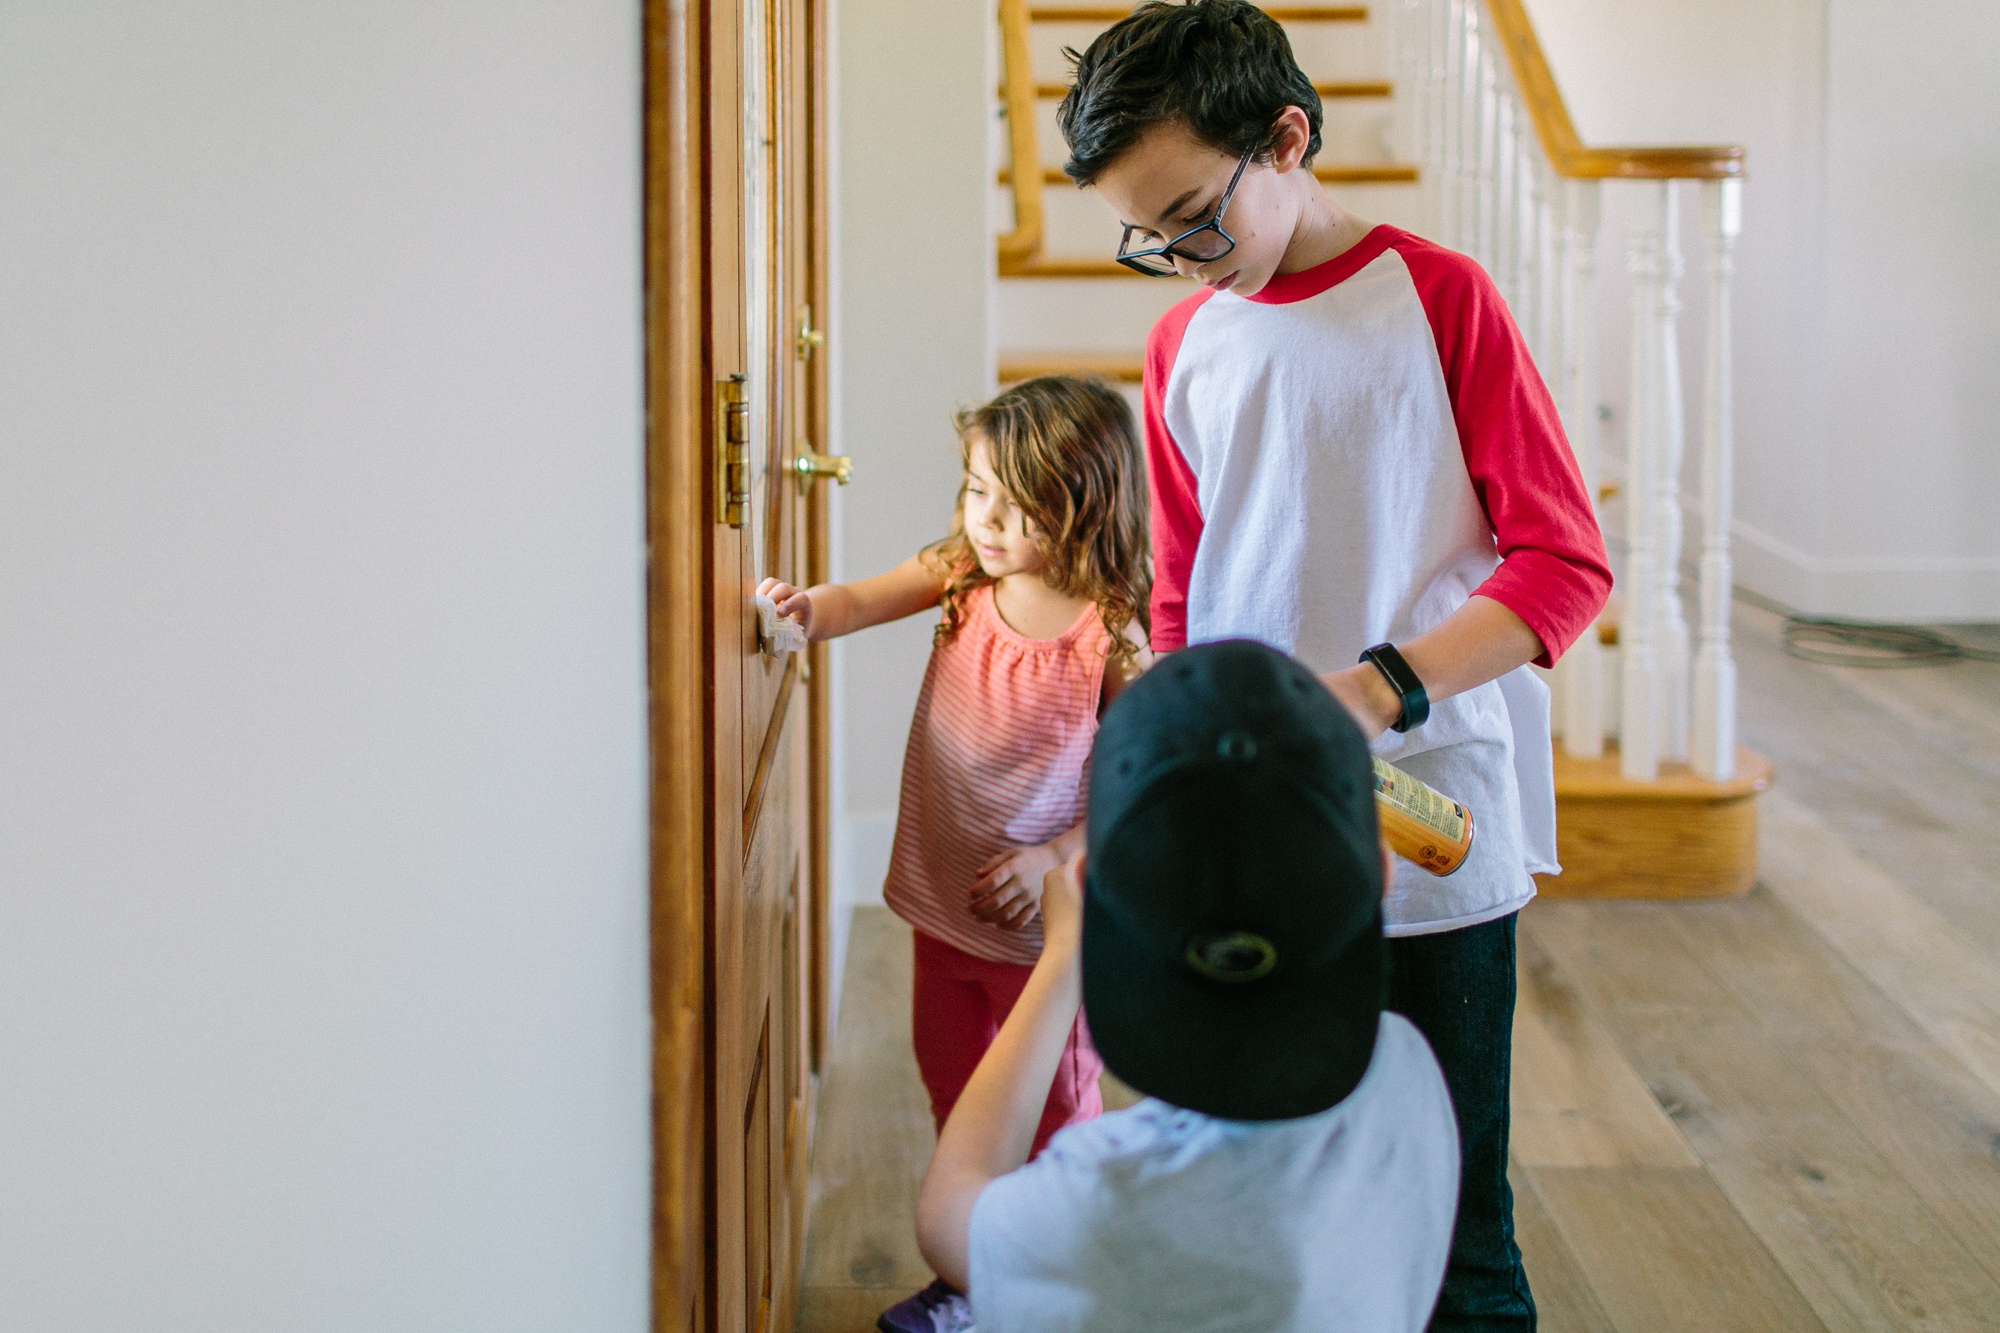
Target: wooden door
point(736, 244)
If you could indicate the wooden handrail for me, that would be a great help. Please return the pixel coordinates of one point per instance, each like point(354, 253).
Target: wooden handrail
point(1282, 13)
point(1568, 154)
point(1055, 92)
point(1126, 368)
point(1025, 241)
point(1387, 173)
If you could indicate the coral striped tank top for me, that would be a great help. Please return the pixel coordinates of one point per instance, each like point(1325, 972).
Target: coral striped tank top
point(999, 758)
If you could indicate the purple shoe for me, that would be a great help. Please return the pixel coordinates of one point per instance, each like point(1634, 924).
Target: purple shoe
point(938, 1308)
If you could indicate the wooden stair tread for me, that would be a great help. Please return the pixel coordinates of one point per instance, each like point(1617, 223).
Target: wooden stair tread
point(1127, 368)
point(1282, 13)
point(1383, 173)
point(1678, 837)
point(1599, 779)
point(1055, 92)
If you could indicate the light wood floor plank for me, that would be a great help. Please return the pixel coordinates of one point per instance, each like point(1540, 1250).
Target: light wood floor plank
point(1938, 1128)
point(1564, 1301)
point(1787, 974)
point(1606, 951)
point(1665, 1252)
point(874, 1136)
point(1919, 799)
point(1947, 983)
point(1857, 1241)
point(1931, 1121)
point(1576, 1101)
point(844, 1309)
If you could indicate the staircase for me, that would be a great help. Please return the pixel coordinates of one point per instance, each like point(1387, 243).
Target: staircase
point(1063, 304)
point(1443, 116)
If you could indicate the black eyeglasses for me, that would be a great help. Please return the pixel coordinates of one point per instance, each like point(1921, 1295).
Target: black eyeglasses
point(1198, 245)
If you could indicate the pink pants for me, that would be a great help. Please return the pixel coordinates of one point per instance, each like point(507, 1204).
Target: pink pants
point(960, 1002)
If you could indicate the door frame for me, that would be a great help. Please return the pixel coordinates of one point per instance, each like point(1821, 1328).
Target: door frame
point(681, 633)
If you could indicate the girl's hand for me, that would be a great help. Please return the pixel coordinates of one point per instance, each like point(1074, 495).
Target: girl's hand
point(1008, 892)
point(791, 602)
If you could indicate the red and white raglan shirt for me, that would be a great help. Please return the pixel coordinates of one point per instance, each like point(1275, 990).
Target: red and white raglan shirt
point(1341, 460)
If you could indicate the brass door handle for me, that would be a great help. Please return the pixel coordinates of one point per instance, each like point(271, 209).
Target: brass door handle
point(810, 465)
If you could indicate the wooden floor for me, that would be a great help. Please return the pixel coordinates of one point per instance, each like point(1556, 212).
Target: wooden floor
point(1775, 1113)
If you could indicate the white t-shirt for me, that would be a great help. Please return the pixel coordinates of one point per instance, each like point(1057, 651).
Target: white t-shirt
point(1156, 1217)
point(1342, 459)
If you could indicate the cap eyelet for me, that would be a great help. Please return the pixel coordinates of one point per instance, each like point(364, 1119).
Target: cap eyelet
point(1233, 958)
point(1236, 747)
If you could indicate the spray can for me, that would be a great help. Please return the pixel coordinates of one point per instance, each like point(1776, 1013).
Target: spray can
point(1419, 823)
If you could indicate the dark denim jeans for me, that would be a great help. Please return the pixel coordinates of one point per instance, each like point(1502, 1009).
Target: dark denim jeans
point(1458, 988)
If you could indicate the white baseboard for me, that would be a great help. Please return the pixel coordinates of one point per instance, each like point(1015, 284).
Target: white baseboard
point(1910, 590)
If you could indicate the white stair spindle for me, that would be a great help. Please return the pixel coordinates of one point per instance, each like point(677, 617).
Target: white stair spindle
point(1584, 687)
point(1429, 90)
point(1489, 158)
point(1507, 194)
point(1638, 757)
point(1465, 123)
point(1542, 243)
point(1671, 649)
point(1712, 749)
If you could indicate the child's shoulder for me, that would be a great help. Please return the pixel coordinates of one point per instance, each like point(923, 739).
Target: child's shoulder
point(1165, 338)
point(1442, 274)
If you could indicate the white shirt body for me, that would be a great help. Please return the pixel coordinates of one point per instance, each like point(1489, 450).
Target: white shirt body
point(1156, 1218)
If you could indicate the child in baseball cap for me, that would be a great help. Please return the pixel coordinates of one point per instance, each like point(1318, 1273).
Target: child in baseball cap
point(1295, 1162)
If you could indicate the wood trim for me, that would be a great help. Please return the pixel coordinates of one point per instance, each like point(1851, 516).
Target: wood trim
point(681, 723)
point(1600, 780)
point(819, 698)
point(1017, 64)
point(1681, 836)
point(1282, 13)
point(781, 716)
point(1055, 92)
point(1566, 152)
point(1385, 173)
point(1111, 365)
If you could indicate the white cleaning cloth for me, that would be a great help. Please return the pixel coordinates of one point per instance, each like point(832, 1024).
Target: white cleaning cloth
point(778, 634)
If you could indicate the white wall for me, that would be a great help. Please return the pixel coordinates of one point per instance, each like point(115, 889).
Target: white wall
point(911, 344)
point(323, 802)
point(1866, 356)
point(1913, 291)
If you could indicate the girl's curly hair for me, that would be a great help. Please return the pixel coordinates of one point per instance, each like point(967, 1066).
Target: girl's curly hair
point(1068, 453)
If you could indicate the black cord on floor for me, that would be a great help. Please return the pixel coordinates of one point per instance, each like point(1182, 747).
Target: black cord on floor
point(1859, 644)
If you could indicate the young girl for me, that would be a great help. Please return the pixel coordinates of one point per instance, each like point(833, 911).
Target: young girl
point(1044, 588)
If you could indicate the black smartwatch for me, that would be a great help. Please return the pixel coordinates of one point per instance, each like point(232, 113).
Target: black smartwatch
point(1416, 703)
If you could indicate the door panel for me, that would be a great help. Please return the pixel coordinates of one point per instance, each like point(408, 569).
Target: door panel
point(735, 249)
point(761, 1016)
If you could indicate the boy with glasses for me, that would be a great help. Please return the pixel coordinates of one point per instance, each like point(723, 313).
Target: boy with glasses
point(1353, 456)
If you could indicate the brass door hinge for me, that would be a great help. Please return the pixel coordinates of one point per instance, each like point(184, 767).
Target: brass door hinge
point(732, 450)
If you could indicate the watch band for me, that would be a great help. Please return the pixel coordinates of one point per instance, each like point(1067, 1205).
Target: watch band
point(1416, 701)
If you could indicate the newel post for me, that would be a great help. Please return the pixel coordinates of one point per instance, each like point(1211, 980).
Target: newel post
point(1713, 747)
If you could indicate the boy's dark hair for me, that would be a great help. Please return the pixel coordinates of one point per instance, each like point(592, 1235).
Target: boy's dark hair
point(1223, 68)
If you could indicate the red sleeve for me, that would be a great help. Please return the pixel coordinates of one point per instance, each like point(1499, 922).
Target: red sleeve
point(1553, 571)
point(1176, 508)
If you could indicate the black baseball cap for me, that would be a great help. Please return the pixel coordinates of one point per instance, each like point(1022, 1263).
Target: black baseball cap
point(1233, 960)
